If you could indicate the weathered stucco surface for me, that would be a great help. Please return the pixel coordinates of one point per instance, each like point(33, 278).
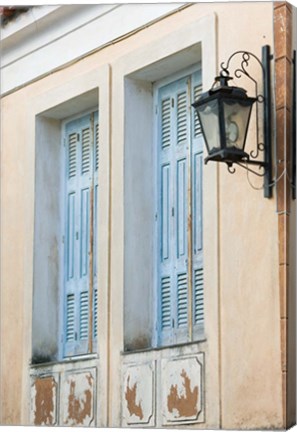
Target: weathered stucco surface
point(241, 384)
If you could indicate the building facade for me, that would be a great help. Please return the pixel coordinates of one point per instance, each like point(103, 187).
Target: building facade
point(140, 287)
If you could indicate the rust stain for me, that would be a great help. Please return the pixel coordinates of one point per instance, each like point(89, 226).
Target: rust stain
point(78, 409)
point(44, 401)
point(130, 396)
point(186, 405)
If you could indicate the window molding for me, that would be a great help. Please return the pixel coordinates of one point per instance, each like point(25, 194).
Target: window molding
point(140, 71)
point(52, 116)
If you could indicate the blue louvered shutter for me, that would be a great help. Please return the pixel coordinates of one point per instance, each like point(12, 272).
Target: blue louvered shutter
point(183, 136)
point(95, 229)
point(173, 108)
point(197, 211)
point(79, 187)
point(165, 168)
point(179, 138)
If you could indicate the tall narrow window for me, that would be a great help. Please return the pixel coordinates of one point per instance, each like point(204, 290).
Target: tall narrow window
point(180, 240)
point(80, 263)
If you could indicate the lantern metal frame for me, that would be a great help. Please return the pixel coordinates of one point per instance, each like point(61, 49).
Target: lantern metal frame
point(264, 164)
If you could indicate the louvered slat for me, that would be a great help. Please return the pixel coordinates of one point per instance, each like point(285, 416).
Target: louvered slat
point(181, 117)
point(165, 303)
point(70, 305)
point(85, 152)
point(72, 147)
point(84, 315)
point(95, 322)
point(182, 299)
point(97, 147)
point(198, 296)
point(197, 126)
point(166, 123)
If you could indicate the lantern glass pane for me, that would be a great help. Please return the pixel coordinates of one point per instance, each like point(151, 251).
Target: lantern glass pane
point(209, 119)
point(236, 118)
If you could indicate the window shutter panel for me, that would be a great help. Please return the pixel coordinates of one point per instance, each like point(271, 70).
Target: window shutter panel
point(165, 257)
point(95, 229)
point(179, 132)
point(197, 211)
point(83, 282)
point(182, 143)
point(72, 203)
point(174, 133)
point(78, 184)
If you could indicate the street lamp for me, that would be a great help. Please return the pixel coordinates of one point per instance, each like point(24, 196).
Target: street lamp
point(224, 113)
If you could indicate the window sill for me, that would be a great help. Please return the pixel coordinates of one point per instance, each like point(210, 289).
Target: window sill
point(74, 359)
point(165, 347)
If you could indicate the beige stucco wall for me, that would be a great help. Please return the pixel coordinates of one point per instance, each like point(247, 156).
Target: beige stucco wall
point(242, 347)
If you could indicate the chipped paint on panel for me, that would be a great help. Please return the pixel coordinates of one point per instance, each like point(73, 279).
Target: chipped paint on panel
point(43, 401)
point(182, 395)
point(138, 395)
point(186, 405)
point(78, 399)
point(130, 396)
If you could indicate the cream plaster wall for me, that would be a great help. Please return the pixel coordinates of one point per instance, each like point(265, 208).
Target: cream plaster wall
point(242, 362)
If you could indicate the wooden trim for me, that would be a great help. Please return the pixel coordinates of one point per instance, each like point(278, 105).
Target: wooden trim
point(282, 24)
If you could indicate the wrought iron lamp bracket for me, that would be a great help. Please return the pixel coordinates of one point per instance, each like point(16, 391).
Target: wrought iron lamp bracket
point(265, 99)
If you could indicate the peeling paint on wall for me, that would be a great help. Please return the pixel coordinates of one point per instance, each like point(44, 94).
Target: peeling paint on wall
point(138, 395)
point(44, 401)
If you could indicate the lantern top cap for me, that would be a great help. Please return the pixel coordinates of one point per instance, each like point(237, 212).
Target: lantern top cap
point(221, 89)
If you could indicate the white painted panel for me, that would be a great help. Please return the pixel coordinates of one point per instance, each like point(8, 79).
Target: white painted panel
point(30, 63)
point(77, 398)
point(182, 390)
point(138, 394)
